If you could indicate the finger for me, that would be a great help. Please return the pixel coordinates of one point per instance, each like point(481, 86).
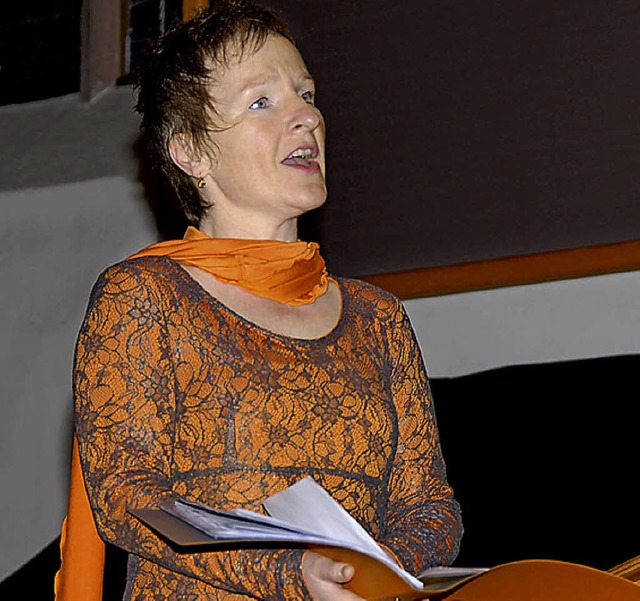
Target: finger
point(343, 572)
point(335, 571)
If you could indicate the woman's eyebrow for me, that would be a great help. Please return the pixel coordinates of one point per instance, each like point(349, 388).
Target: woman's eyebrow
point(308, 77)
point(252, 84)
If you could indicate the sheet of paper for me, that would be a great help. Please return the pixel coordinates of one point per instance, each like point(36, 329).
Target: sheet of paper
point(230, 526)
point(308, 505)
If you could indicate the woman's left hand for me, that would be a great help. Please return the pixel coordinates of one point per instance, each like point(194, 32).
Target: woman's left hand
point(325, 577)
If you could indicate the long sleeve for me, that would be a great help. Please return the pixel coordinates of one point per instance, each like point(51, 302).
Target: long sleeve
point(128, 406)
point(423, 525)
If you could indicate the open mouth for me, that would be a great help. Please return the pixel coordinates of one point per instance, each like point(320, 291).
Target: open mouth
point(302, 157)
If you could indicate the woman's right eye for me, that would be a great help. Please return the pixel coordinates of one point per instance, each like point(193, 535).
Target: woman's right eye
point(308, 97)
point(261, 103)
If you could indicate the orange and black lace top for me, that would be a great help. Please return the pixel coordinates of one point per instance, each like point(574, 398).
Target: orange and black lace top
point(176, 395)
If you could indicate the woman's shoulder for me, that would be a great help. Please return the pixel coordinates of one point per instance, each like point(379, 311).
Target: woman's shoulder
point(128, 275)
point(363, 294)
point(146, 267)
point(355, 286)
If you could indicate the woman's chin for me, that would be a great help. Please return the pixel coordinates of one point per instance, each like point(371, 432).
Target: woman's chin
point(313, 199)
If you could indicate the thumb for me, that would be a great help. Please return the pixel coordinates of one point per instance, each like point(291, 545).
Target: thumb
point(342, 572)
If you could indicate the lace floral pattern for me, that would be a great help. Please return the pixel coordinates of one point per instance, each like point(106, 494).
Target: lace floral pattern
point(176, 395)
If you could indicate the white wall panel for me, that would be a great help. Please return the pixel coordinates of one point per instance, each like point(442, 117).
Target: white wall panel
point(571, 319)
point(53, 243)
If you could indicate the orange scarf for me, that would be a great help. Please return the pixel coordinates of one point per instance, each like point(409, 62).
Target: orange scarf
point(81, 549)
point(288, 272)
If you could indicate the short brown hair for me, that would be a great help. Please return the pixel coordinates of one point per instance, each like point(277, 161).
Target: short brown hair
point(173, 78)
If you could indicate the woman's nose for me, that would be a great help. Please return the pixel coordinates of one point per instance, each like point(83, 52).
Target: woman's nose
point(305, 115)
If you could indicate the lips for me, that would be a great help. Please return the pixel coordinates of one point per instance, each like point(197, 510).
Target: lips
point(303, 156)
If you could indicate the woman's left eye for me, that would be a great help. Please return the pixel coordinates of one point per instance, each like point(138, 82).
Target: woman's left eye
point(261, 103)
point(308, 97)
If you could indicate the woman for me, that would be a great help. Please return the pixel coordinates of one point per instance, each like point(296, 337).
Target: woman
point(228, 365)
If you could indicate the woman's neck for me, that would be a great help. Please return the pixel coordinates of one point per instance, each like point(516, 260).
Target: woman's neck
point(286, 231)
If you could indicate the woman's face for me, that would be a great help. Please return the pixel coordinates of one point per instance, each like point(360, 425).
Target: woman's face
point(269, 165)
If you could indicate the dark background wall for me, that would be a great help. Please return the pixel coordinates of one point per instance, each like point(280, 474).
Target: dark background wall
point(473, 130)
point(542, 459)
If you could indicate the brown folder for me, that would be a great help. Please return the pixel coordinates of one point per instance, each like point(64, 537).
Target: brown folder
point(528, 580)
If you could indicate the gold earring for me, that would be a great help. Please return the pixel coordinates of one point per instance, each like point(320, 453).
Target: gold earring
point(201, 183)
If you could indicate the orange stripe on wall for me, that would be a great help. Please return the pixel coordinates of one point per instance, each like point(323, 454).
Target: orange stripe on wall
point(511, 271)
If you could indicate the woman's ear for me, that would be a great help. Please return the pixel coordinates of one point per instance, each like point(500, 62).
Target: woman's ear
point(185, 157)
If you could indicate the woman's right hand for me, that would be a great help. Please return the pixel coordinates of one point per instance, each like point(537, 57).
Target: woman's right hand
point(325, 577)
